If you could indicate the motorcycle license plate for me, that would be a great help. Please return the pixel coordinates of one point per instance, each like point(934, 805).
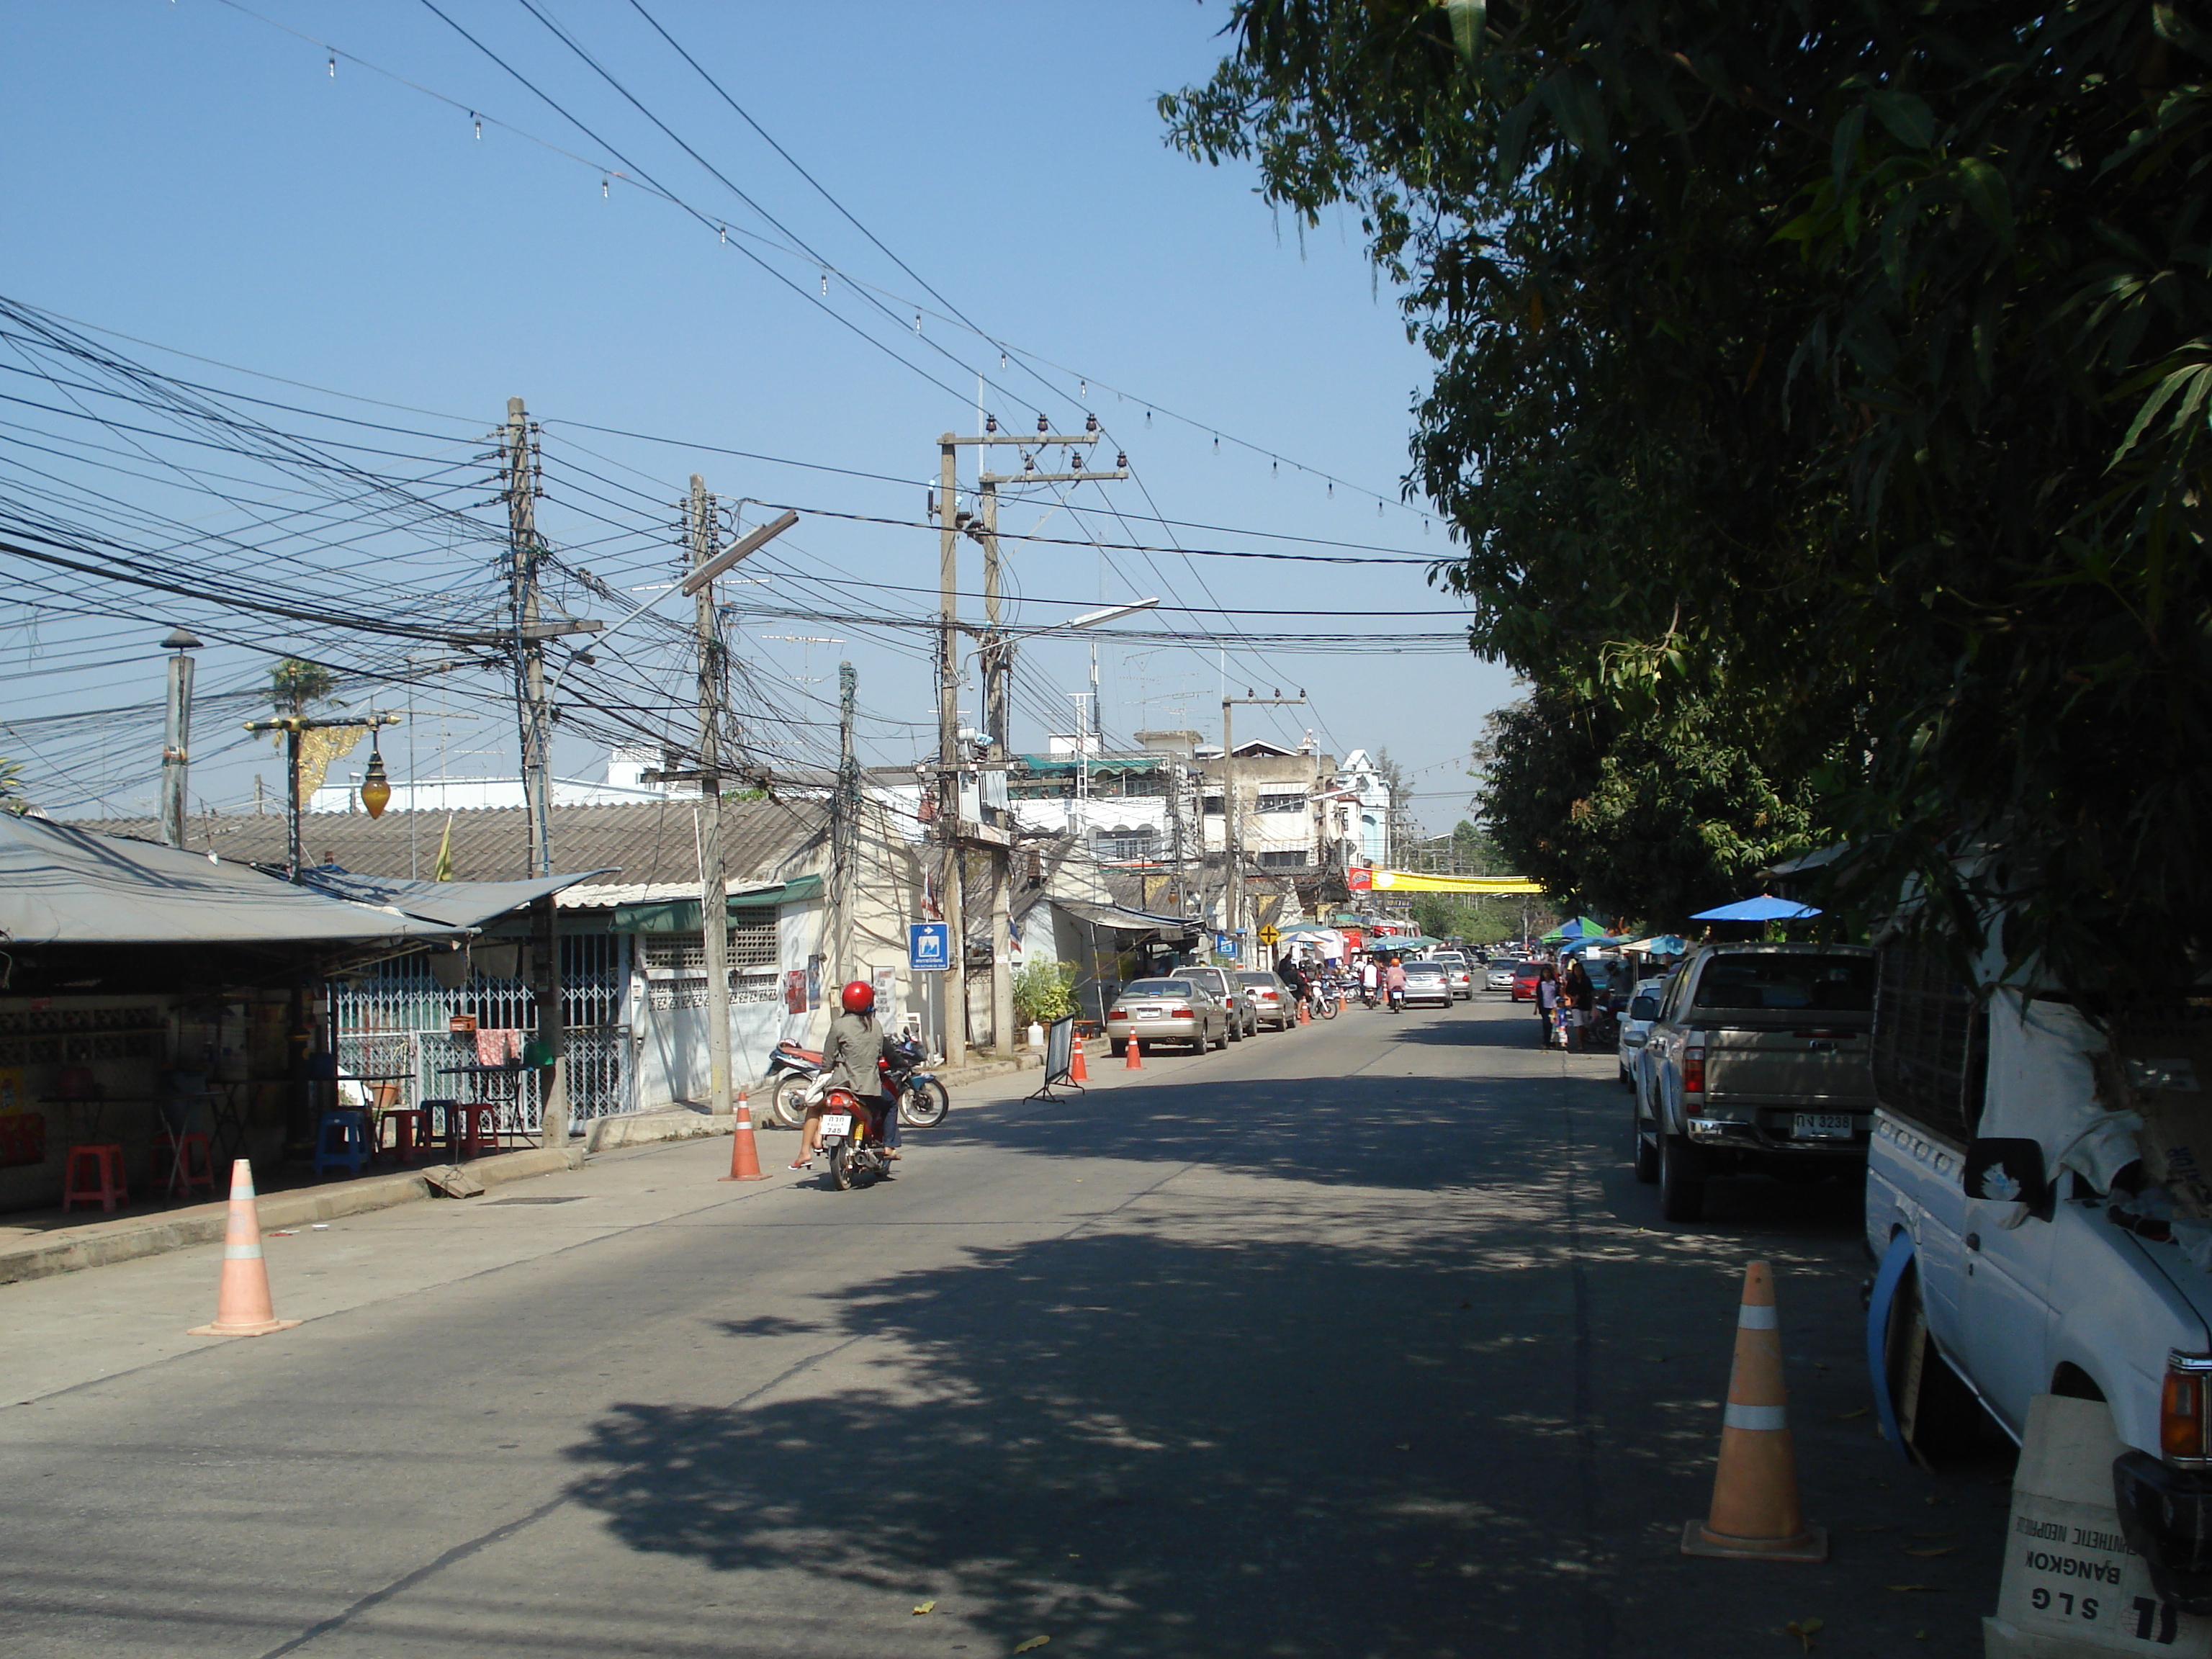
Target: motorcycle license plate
point(836, 1123)
point(1822, 1126)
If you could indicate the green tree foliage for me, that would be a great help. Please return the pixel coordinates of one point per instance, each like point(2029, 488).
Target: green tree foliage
point(1839, 368)
point(1627, 817)
point(1044, 992)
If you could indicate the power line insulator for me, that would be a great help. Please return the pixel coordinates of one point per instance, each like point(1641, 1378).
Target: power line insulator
point(1121, 461)
point(990, 423)
point(1090, 423)
point(1044, 425)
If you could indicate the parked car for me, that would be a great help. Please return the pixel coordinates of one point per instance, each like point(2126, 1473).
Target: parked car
point(1176, 1010)
point(1525, 976)
point(1636, 1025)
point(1428, 982)
point(1498, 974)
point(1758, 1062)
point(1269, 998)
point(1241, 1020)
point(1462, 978)
point(2025, 1242)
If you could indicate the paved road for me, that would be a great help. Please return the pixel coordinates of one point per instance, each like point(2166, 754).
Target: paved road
point(1353, 1340)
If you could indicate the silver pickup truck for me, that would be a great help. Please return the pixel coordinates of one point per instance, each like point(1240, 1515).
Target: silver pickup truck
point(1760, 1062)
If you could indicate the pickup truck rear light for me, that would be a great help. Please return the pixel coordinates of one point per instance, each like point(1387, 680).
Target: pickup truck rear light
point(2181, 1425)
point(1693, 1069)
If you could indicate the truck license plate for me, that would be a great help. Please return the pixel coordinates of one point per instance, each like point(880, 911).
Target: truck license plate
point(836, 1123)
point(1822, 1126)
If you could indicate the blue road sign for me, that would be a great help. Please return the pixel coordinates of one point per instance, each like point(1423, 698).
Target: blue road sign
point(928, 946)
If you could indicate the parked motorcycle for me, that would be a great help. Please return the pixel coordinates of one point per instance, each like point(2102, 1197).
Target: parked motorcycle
point(923, 1103)
point(792, 1071)
point(853, 1140)
point(1327, 996)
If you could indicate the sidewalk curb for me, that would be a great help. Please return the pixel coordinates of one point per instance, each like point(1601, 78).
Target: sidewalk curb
point(97, 1244)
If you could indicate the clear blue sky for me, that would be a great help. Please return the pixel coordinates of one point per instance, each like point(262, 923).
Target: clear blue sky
point(188, 175)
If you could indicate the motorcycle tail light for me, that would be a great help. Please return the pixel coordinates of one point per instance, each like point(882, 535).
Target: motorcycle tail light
point(1694, 1070)
point(2181, 1435)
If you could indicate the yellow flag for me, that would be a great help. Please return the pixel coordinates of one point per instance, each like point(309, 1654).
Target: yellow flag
point(443, 869)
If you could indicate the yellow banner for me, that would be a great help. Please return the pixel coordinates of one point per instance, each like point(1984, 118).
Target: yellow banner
point(1408, 881)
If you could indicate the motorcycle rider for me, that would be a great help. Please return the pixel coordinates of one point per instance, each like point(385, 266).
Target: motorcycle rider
point(1370, 979)
point(849, 1054)
point(1393, 978)
point(1288, 971)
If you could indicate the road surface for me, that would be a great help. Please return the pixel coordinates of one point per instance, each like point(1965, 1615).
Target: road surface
point(1356, 1340)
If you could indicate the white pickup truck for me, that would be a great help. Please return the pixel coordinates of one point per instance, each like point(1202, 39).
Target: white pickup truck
point(2031, 1242)
point(1756, 1063)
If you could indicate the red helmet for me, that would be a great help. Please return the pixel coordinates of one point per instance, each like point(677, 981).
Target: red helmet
point(859, 997)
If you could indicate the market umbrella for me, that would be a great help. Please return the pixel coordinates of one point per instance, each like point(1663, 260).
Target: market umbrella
point(1660, 944)
point(1764, 907)
point(1576, 927)
point(1589, 943)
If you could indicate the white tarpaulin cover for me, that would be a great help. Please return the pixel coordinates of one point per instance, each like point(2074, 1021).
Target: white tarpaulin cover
point(63, 885)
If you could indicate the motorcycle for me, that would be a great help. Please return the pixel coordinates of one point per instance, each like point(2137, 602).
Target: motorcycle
point(923, 1103)
point(853, 1140)
point(1325, 997)
point(792, 1071)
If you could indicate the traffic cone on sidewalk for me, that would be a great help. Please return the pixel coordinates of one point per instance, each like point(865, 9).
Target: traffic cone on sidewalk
point(242, 1305)
point(1135, 1062)
point(1304, 1019)
point(1076, 1071)
point(744, 1157)
point(1755, 1515)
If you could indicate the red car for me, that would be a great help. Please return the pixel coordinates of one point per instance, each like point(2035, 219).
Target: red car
point(1525, 976)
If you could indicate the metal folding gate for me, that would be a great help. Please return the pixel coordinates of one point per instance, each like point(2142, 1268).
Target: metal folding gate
point(396, 1022)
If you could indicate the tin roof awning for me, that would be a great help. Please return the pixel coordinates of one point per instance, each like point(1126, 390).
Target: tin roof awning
point(1125, 919)
point(451, 903)
point(682, 916)
point(64, 885)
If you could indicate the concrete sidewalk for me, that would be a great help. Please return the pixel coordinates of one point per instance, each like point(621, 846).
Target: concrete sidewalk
point(94, 1244)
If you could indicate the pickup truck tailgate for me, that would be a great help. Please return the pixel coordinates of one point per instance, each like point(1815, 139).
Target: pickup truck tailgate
point(1830, 1064)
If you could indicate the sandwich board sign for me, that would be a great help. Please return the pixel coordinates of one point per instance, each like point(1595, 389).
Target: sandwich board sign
point(928, 946)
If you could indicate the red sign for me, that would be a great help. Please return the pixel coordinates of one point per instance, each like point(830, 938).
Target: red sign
point(1359, 878)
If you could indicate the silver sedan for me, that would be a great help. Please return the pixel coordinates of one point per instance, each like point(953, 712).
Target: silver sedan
point(1155, 1011)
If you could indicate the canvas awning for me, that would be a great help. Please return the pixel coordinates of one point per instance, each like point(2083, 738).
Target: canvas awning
point(64, 885)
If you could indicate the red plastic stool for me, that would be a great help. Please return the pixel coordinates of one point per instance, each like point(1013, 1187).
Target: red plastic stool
point(411, 1132)
point(191, 1161)
point(101, 1167)
point(479, 1127)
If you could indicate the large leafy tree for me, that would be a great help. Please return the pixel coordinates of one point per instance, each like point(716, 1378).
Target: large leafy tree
point(1842, 368)
point(1634, 818)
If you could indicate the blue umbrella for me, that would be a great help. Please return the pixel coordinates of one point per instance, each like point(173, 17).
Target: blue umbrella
point(1764, 907)
point(1573, 945)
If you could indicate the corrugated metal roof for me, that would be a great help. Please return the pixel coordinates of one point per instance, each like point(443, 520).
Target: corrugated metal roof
point(653, 844)
point(454, 903)
point(60, 884)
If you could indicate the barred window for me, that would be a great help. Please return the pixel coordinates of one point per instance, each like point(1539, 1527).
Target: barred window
point(1283, 860)
point(1282, 803)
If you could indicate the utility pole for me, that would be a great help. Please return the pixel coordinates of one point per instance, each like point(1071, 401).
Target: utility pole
point(1232, 837)
point(518, 462)
point(177, 737)
point(844, 824)
point(713, 886)
point(998, 663)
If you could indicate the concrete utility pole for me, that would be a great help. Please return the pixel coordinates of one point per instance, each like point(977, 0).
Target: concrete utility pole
point(997, 656)
point(1232, 836)
point(177, 737)
point(713, 884)
point(519, 459)
point(845, 826)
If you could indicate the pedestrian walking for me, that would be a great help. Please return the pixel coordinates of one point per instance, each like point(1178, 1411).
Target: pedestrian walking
point(1580, 997)
point(1547, 1003)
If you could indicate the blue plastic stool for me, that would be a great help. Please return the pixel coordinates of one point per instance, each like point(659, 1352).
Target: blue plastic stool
point(350, 1128)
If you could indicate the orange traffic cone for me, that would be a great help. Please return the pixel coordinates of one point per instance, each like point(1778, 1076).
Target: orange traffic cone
point(1755, 1515)
point(242, 1306)
point(1135, 1062)
point(1304, 1019)
point(744, 1157)
point(1076, 1071)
